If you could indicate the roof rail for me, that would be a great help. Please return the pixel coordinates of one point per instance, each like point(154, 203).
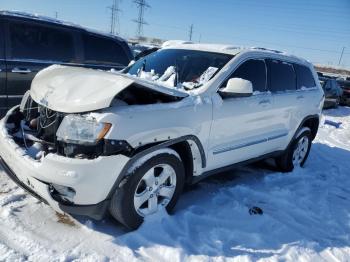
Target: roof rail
point(230, 47)
point(267, 49)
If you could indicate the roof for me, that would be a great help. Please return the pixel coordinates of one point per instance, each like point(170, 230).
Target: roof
point(55, 21)
point(230, 49)
point(218, 48)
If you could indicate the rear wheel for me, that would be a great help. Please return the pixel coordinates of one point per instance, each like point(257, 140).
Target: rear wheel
point(156, 183)
point(297, 152)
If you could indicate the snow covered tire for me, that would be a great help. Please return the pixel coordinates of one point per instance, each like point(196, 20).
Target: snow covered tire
point(122, 206)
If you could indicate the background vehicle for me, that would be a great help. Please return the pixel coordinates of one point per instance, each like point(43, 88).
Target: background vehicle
point(30, 43)
point(345, 85)
point(332, 91)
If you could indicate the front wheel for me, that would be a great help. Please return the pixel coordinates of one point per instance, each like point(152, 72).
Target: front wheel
point(156, 183)
point(297, 152)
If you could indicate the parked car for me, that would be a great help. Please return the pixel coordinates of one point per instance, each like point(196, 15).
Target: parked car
point(128, 142)
point(139, 49)
point(345, 98)
point(332, 90)
point(146, 52)
point(30, 43)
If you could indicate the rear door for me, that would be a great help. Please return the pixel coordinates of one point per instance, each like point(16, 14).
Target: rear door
point(3, 93)
point(282, 83)
point(307, 91)
point(104, 53)
point(33, 46)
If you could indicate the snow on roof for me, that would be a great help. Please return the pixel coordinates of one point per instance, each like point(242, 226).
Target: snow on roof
point(175, 42)
point(218, 48)
point(55, 21)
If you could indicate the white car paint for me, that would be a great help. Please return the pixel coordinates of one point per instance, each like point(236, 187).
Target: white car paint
point(230, 130)
point(76, 89)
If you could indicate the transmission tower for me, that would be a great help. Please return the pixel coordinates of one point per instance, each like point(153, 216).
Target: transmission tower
point(115, 10)
point(141, 6)
point(190, 33)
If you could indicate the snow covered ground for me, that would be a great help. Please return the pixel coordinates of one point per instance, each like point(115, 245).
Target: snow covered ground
point(306, 216)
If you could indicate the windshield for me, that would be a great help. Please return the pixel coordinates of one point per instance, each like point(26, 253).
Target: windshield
point(177, 68)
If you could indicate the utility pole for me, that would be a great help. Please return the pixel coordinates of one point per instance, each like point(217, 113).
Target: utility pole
point(341, 55)
point(141, 6)
point(190, 33)
point(56, 14)
point(115, 10)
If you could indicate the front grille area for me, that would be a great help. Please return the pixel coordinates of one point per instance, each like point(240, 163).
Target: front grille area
point(42, 119)
point(48, 122)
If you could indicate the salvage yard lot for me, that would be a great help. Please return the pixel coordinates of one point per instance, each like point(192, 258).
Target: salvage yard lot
point(306, 215)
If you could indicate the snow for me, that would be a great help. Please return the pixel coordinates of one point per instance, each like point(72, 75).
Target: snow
point(168, 78)
point(306, 216)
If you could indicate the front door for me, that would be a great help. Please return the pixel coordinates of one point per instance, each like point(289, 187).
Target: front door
point(241, 126)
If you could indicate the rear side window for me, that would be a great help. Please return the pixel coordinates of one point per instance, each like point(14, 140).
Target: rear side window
point(304, 77)
point(282, 76)
point(30, 41)
point(103, 50)
point(254, 71)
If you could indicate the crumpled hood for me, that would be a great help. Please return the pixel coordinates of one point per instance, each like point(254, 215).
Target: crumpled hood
point(75, 89)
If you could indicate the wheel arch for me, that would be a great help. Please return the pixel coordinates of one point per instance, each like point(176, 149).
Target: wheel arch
point(189, 148)
point(311, 122)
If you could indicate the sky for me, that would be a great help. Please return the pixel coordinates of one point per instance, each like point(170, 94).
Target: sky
point(317, 30)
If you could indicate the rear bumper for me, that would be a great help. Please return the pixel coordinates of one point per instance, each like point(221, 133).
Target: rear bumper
point(92, 180)
point(330, 102)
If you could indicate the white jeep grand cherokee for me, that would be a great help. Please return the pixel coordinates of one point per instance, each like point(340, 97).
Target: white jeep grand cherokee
point(87, 142)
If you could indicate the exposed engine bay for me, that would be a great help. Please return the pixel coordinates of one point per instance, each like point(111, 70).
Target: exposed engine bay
point(34, 127)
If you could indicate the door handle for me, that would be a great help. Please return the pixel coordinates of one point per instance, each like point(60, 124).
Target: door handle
point(21, 70)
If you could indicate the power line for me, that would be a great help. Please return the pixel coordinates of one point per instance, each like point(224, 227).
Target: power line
point(141, 5)
point(341, 55)
point(190, 33)
point(115, 10)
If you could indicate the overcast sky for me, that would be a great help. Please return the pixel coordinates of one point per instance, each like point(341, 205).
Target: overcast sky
point(315, 29)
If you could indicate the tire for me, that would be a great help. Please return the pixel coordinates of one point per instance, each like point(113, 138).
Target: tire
point(140, 185)
point(287, 161)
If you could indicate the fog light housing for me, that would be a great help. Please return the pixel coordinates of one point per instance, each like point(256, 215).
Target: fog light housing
point(62, 194)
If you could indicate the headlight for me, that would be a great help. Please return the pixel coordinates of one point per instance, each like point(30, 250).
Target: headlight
point(81, 130)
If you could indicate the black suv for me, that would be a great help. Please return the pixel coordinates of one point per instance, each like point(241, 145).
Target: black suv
point(332, 91)
point(30, 43)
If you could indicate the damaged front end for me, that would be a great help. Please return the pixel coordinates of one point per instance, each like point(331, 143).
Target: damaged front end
point(40, 131)
point(60, 172)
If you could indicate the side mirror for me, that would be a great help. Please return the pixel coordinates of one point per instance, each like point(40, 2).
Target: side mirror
point(237, 87)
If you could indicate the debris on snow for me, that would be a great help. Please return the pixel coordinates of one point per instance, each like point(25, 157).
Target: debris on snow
point(332, 123)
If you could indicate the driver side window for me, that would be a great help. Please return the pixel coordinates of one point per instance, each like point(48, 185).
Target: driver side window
point(254, 71)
